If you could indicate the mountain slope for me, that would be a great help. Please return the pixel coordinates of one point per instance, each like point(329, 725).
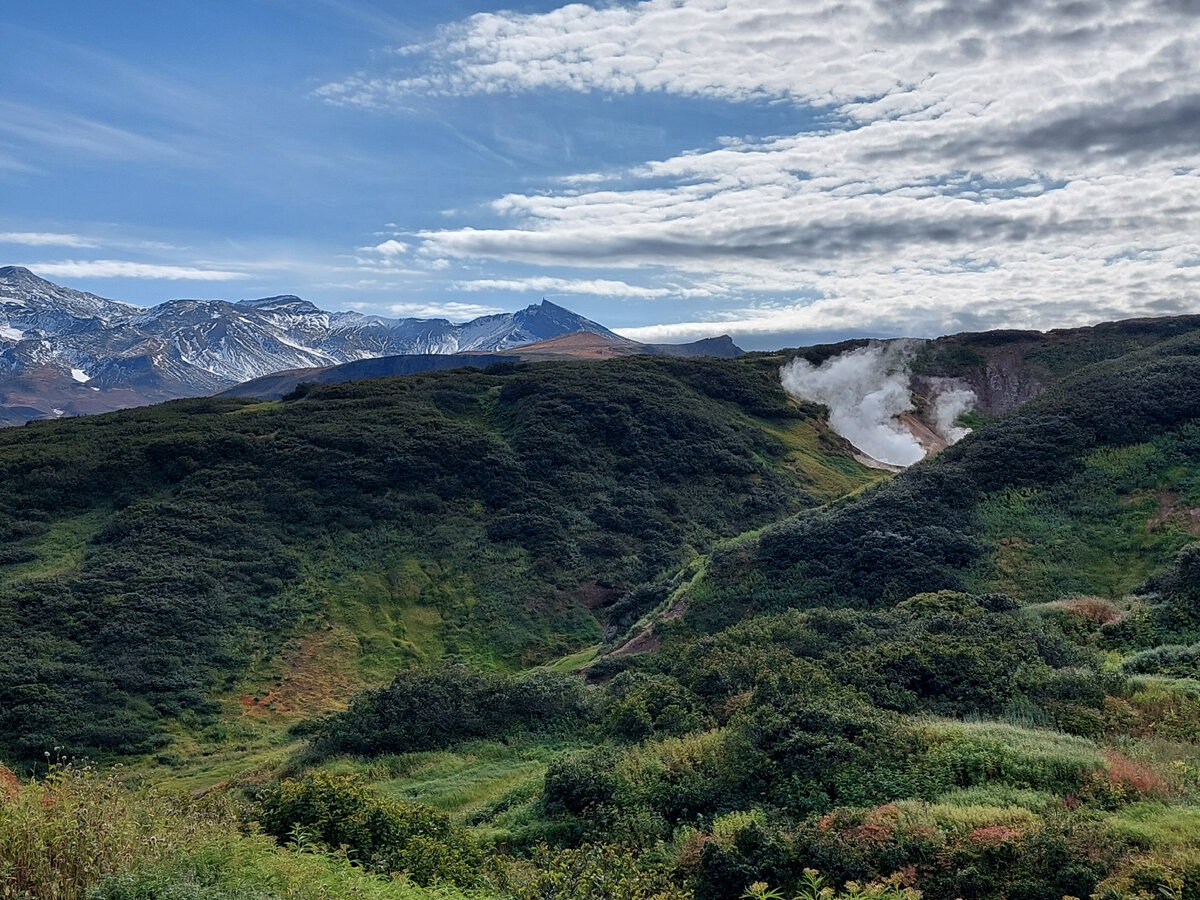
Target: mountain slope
point(1083, 491)
point(65, 353)
point(154, 558)
point(976, 679)
point(579, 345)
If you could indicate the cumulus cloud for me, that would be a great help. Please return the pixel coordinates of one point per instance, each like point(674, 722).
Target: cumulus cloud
point(117, 268)
point(389, 248)
point(1026, 163)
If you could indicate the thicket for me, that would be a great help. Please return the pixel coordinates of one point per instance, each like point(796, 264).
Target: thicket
point(80, 832)
point(341, 813)
point(151, 554)
point(425, 709)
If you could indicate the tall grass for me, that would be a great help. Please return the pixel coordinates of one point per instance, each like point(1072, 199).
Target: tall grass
point(60, 836)
point(81, 833)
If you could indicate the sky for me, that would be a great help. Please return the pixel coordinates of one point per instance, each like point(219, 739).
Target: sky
point(784, 171)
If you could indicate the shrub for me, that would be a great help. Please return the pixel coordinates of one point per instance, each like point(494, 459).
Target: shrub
point(591, 872)
point(254, 868)
point(428, 709)
point(382, 835)
point(61, 835)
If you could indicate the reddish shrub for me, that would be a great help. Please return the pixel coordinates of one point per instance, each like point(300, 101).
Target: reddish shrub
point(10, 785)
point(692, 851)
point(1092, 609)
point(995, 835)
point(1133, 777)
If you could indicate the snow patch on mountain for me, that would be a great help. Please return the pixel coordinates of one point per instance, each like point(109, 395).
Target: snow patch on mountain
point(189, 347)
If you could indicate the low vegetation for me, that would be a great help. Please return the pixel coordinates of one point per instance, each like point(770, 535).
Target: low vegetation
point(157, 557)
point(978, 679)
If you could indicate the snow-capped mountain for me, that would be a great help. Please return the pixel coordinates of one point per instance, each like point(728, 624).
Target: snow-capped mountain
point(66, 352)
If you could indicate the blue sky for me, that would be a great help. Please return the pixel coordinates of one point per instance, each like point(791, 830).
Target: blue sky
point(783, 170)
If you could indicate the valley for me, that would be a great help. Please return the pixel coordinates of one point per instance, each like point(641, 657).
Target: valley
point(630, 626)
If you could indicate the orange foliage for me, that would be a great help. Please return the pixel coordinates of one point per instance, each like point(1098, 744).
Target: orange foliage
point(1092, 609)
point(995, 835)
point(10, 785)
point(693, 850)
point(1132, 776)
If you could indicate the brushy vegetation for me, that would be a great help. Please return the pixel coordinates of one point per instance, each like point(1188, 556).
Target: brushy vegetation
point(382, 835)
point(425, 709)
point(152, 557)
point(80, 833)
point(975, 680)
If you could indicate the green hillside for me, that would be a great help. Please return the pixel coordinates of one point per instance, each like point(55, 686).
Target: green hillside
point(1083, 491)
point(156, 559)
point(632, 629)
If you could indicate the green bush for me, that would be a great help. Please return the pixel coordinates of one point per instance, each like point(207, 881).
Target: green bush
point(382, 835)
point(591, 872)
point(429, 709)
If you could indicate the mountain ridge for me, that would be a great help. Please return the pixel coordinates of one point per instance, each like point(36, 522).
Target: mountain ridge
point(65, 352)
point(578, 345)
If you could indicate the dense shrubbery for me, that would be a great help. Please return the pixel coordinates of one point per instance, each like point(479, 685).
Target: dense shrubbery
point(150, 554)
point(81, 833)
point(425, 709)
point(926, 531)
point(592, 872)
point(381, 835)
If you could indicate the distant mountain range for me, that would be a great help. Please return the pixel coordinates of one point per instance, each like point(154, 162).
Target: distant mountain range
point(65, 352)
point(577, 345)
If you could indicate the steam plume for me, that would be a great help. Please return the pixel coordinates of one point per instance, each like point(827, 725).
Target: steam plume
point(951, 402)
point(866, 390)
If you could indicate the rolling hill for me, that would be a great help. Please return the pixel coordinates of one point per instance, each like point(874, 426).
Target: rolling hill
point(501, 518)
point(644, 602)
point(578, 345)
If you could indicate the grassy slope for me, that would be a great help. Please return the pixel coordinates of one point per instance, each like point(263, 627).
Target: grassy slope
point(1094, 510)
point(178, 553)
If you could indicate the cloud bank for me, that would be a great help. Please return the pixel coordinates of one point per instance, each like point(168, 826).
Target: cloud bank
point(1021, 163)
point(119, 268)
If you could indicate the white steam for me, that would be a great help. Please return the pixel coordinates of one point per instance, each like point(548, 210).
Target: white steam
point(867, 390)
point(951, 403)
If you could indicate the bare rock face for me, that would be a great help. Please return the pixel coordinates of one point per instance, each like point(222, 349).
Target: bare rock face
point(1007, 382)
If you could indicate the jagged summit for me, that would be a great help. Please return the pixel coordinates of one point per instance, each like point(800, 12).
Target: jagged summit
point(75, 352)
point(283, 301)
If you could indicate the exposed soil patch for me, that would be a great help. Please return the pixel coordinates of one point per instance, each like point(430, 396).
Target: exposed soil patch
point(645, 641)
point(318, 676)
point(931, 442)
point(1185, 518)
point(678, 610)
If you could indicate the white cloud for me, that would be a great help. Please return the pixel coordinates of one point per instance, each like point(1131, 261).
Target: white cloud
point(593, 287)
point(389, 249)
point(1029, 164)
point(45, 239)
point(116, 268)
point(24, 124)
point(455, 311)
